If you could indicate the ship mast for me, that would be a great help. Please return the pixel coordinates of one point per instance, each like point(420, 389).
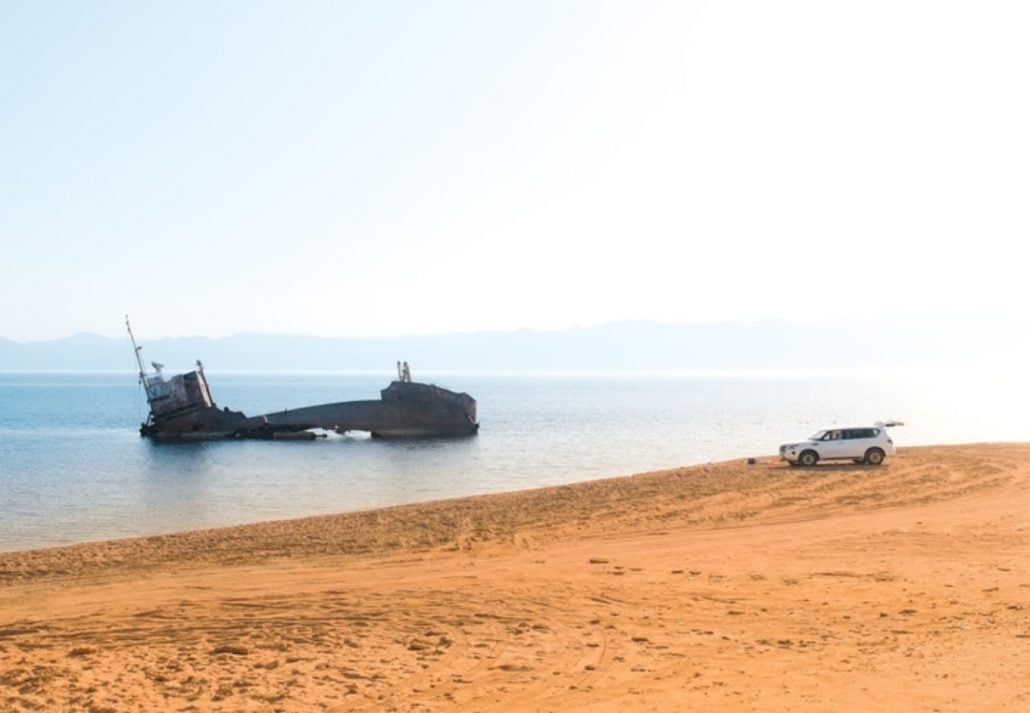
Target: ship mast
point(137, 350)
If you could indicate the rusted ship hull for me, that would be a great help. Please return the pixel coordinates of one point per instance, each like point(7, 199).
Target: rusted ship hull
point(181, 409)
point(401, 413)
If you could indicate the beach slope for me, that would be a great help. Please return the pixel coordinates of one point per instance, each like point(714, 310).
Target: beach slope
point(716, 587)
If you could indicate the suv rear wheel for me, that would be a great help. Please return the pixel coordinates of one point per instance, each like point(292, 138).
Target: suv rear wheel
point(808, 458)
point(874, 456)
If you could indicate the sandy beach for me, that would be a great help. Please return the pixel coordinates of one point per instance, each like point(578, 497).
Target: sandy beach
point(716, 587)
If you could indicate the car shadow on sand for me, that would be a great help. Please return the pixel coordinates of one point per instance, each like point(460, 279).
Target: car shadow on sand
point(834, 467)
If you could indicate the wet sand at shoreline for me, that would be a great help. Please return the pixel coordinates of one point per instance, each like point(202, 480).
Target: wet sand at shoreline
point(714, 587)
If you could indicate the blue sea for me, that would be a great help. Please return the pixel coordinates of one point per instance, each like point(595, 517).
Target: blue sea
point(73, 467)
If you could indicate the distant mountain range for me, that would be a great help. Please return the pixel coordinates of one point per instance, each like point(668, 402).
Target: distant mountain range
point(616, 346)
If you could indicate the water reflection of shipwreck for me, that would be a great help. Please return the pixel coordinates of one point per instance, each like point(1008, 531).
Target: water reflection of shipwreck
point(181, 409)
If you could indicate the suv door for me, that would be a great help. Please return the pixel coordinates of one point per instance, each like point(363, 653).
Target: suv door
point(861, 439)
point(833, 445)
point(853, 445)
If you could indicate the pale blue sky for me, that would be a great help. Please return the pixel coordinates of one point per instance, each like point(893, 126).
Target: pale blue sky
point(420, 167)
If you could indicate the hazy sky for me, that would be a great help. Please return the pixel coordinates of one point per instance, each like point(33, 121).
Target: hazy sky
point(399, 167)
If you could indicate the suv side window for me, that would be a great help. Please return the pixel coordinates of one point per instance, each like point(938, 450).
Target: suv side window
point(861, 433)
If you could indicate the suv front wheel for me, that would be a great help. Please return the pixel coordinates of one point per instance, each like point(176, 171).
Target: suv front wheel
point(874, 456)
point(808, 458)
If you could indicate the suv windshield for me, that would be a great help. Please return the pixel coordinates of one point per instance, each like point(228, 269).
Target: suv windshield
point(817, 436)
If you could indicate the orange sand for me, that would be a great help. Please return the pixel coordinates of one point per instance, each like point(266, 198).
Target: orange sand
point(718, 587)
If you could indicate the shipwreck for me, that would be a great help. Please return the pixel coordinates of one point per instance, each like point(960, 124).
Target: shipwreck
point(181, 409)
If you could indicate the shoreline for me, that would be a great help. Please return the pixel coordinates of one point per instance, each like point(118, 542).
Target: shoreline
point(228, 530)
point(722, 585)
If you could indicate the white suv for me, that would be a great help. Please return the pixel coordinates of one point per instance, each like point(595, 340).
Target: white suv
point(862, 445)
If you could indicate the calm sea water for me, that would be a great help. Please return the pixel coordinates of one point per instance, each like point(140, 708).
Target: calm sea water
point(73, 468)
